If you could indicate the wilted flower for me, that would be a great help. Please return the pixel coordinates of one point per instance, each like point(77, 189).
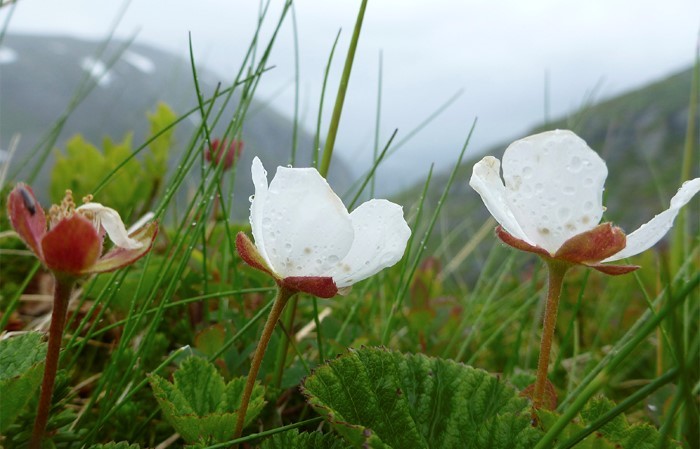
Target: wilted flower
point(552, 202)
point(71, 242)
point(306, 239)
point(219, 151)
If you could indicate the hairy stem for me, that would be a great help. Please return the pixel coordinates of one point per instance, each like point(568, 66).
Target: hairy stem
point(283, 296)
point(62, 292)
point(557, 270)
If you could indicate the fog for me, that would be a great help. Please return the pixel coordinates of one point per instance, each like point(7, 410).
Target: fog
point(497, 54)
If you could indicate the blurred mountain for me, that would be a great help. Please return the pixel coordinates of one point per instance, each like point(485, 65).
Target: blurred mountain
point(40, 75)
point(641, 136)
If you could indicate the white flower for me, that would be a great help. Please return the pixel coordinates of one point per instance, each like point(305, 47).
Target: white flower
point(302, 229)
point(554, 191)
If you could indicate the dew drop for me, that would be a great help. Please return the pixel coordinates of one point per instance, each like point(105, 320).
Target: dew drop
point(564, 213)
point(527, 172)
point(267, 222)
point(588, 205)
point(539, 187)
point(332, 259)
point(588, 182)
point(251, 198)
point(575, 165)
point(288, 246)
point(569, 190)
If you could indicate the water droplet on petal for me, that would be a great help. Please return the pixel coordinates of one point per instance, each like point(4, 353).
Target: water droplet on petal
point(564, 213)
point(251, 198)
point(575, 165)
point(527, 172)
point(569, 190)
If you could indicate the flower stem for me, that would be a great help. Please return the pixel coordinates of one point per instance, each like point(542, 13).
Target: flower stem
point(283, 296)
point(557, 270)
point(62, 292)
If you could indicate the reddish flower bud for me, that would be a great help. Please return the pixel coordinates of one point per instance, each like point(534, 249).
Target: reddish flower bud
point(219, 152)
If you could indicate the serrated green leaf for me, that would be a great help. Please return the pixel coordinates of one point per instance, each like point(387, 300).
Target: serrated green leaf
point(199, 405)
point(21, 369)
point(619, 431)
point(115, 445)
point(200, 384)
point(597, 407)
point(594, 441)
point(413, 401)
point(292, 439)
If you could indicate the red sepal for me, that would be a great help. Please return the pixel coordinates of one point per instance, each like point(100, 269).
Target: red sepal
point(613, 270)
point(250, 255)
point(593, 245)
point(322, 287)
point(72, 246)
point(27, 217)
point(522, 245)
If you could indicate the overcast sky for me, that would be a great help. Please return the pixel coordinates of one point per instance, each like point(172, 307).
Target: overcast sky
point(497, 52)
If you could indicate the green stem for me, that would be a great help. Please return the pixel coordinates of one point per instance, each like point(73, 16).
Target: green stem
point(62, 291)
point(281, 300)
point(340, 97)
point(557, 270)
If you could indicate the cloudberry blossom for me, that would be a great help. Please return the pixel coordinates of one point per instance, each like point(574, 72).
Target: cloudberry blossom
point(71, 242)
point(306, 239)
point(552, 202)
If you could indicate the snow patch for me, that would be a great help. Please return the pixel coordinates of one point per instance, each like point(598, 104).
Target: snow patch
point(7, 55)
point(98, 70)
point(141, 62)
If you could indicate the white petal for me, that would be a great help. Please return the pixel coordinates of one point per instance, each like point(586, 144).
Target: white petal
point(304, 225)
point(148, 216)
point(651, 232)
point(112, 223)
point(381, 234)
point(486, 180)
point(554, 186)
point(257, 205)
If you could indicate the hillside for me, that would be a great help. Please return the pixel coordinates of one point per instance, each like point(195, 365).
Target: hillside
point(640, 135)
point(39, 76)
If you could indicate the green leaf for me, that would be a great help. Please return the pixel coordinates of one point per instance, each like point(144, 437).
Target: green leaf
point(593, 441)
point(616, 434)
point(114, 445)
point(627, 436)
point(199, 405)
point(292, 439)
point(21, 369)
point(413, 401)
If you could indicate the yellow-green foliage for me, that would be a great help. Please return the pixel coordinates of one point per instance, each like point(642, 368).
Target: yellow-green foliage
point(82, 167)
